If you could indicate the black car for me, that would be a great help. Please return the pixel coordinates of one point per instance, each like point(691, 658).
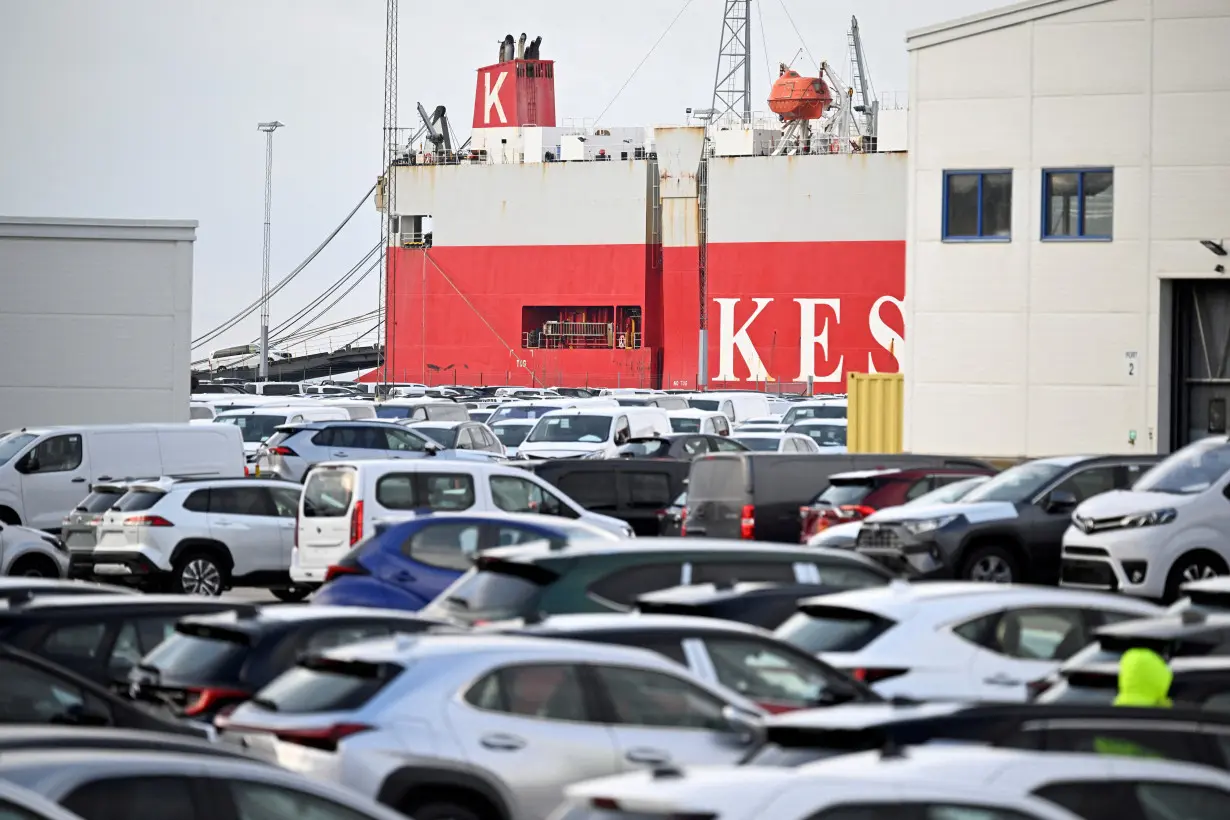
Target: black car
point(670, 519)
point(758, 495)
point(683, 446)
point(761, 604)
point(215, 662)
point(460, 435)
point(1181, 734)
point(99, 637)
point(1009, 529)
point(742, 658)
point(175, 738)
point(37, 691)
point(633, 490)
point(15, 590)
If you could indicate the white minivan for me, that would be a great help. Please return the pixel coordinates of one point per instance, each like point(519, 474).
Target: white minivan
point(737, 407)
point(45, 472)
point(257, 424)
point(1172, 527)
point(709, 422)
point(592, 432)
point(344, 501)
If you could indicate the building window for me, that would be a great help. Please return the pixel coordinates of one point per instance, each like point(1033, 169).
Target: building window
point(978, 205)
point(1078, 204)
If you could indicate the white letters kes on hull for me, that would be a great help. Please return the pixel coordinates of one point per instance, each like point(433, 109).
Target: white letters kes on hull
point(731, 340)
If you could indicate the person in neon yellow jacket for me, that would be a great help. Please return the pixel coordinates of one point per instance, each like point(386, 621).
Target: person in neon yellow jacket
point(1144, 681)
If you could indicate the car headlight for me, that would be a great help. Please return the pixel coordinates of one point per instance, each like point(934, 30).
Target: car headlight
point(929, 525)
point(1150, 519)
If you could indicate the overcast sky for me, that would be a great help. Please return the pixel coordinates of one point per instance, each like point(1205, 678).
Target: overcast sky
point(148, 108)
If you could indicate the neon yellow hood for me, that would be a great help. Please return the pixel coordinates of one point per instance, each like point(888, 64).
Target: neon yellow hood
point(1144, 679)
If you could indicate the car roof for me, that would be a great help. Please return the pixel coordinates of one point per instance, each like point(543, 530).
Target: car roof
point(710, 593)
point(72, 602)
point(437, 424)
point(900, 599)
point(821, 423)
point(864, 715)
point(515, 422)
point(664, 545)
point(284, 614)
point(622, 622)
point(56, 738)
point(411, 465)
point(1186, 623)
point(21, 582)
point(1181, 665)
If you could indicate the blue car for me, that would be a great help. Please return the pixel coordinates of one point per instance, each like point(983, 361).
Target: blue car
point(405, 565)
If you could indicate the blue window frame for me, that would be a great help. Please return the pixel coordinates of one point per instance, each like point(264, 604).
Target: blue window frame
point(1078, 203)
point(978, 206)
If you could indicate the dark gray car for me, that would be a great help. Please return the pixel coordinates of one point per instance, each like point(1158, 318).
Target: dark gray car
point(78, 531)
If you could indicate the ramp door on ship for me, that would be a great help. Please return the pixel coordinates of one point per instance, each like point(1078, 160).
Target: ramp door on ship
point(1201, 367)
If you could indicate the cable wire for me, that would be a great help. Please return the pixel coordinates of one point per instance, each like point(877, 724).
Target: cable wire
point(287, 326)
point(643, 60)
point(346, 292)
point(764, 44)
point(252, 308)
point(799, 34)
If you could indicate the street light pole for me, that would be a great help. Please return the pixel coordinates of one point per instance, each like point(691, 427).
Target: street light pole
point(268, 128)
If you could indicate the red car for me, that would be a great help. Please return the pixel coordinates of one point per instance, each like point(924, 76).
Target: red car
point(856, 495)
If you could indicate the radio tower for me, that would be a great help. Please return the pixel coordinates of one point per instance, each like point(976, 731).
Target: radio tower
point(387, 278)
point(732, 82)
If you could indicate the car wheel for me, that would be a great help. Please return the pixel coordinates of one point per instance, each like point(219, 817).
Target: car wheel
point(1194, 566)
point(291, 595)
point(34, 566)
point(994, 565)
point(444, 810)
point(198, 573)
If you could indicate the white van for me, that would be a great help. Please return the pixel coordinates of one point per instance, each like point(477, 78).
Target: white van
point(46, 471)
point(201, 411)
point(243, 401)
point(536, 408)
point(259, 423)
point(710, 422)
point(737, 407)
point(273, 388)
point(816, 409)
point(593, 432)
point(344, 501)
point(356, 409)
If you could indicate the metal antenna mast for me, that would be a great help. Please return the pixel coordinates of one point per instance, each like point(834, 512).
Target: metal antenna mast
point(387, 279)
point(732, 82)
point(268, 128)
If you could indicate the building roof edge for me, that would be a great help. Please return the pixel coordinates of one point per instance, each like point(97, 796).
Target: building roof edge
point(1002, 17)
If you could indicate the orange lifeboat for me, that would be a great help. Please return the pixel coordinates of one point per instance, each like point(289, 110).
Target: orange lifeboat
point(794, 97)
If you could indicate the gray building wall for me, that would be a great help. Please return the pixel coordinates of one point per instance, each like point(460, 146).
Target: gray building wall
point(95, 320)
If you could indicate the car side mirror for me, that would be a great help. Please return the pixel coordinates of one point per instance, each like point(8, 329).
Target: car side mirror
point(1060, 501)
point(27, 464)
point(746, 727)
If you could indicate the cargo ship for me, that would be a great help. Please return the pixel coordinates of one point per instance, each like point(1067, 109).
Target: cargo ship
point(737, 253)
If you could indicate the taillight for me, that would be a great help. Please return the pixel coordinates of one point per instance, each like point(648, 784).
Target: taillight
point(747, 522)
point(325, 739)
point(869, 675)
point(1034, 688)
point(208, 700)
point(356, 523)
point(683, 521)
point(147, 521)
point(281, 451)
point(852, 512)
point(338, 570)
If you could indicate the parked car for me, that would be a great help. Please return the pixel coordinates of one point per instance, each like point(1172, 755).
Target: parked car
point(704, 422)
point(774, 442)
point(670, 518)
point(460, 435)
point(16, 591)
point(515, 582)
point(1008, 530)
point(827, 434)
point(79, 529)
point(1198, 683)
point(827, 409)
point(29, 553)
point(506, 722)
point(199, 537)
point(846, 535)
point(954, 640)
point(344, 501)
point(1170, 527)
point(632, 490)
point(684, 446)
point(213, 662)
point(408, 564)
point(856, 495)
point(759, 603)
point(774, 674)
point(511, 433)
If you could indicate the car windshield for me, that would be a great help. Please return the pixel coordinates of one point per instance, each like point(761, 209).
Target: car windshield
point(815, 411)
point(646, 448)
point(1017, 484)
point(761, 444)
point(826, 435)
point(949, 493)
point(533, 411)
point(254, 429)
point(838, 495)
point(684, 425)
point(703, 404)
point(586, 429)
point(14, 444)
point(1191, 470)
point(511, 435)
point(385, 411)
point(440, 435)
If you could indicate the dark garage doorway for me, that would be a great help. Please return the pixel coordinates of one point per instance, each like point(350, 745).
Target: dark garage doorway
point(1200, 398)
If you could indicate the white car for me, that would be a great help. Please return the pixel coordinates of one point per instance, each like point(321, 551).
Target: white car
point(964, 640)
point(828, 434)
point(844, 536)
point(827, 409)
point(918, 783)
point(775, 442)
point(762, 424)
point(512, 432)
point(1173, 526)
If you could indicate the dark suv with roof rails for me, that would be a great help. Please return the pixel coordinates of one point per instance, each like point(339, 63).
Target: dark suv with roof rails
point(632, 490)
point(1008, 530)
point(516, 582)
point(759, 603)
point(758, 495)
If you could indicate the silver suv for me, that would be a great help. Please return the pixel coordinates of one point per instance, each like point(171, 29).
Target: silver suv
point(200, 536)
point(294, 449)
point(483, 727)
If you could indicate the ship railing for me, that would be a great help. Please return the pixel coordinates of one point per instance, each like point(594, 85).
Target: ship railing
point(608, 339)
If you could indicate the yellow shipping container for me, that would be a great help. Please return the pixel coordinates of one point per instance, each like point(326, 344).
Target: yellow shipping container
point(876, 412)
